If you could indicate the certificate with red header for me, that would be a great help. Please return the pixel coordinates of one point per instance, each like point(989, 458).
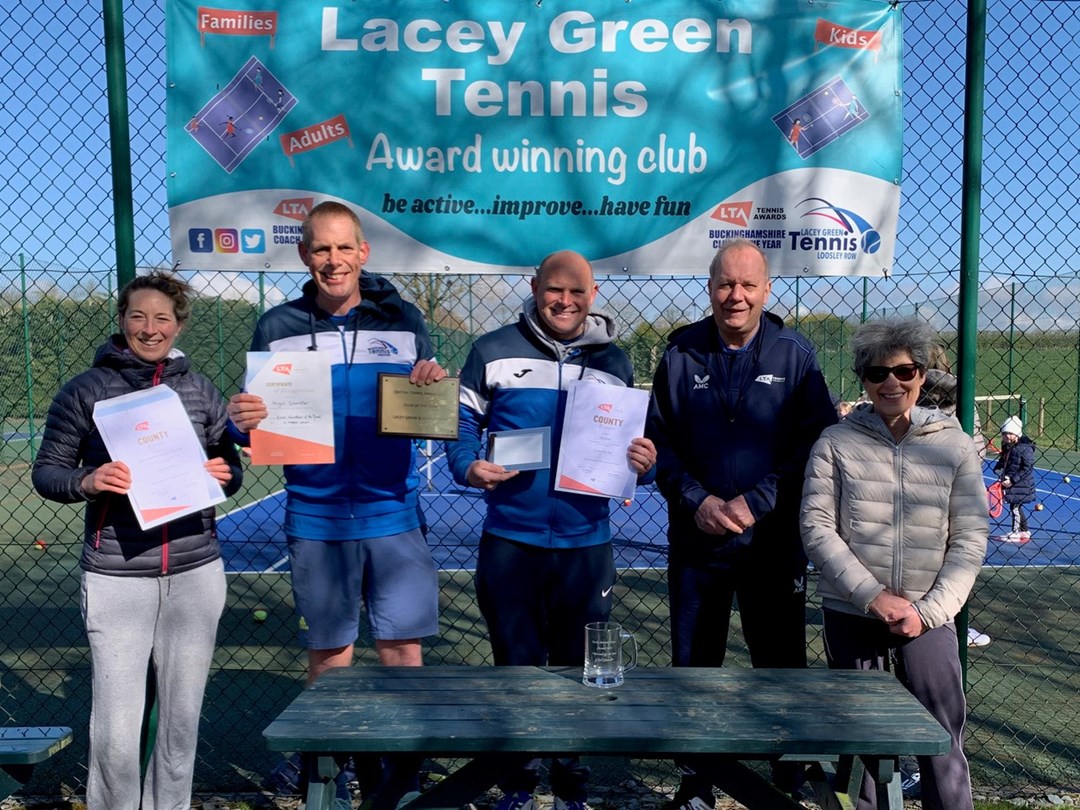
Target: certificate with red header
point(150, 432)
point(598, 424)
point(296, 387)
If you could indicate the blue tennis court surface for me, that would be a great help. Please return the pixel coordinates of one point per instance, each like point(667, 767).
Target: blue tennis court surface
point(252, 538)
point(236, 120)
point(1055, 529)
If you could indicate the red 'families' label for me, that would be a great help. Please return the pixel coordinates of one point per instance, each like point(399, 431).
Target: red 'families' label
point(237, 23)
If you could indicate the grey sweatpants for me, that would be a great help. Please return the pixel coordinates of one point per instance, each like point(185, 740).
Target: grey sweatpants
point(128, 620)
point(929, 666)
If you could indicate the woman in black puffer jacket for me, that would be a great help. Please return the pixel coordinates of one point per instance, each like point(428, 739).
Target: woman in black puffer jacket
point(154, 595)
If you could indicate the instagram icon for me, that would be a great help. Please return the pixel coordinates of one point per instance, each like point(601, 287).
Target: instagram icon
point(225, 240)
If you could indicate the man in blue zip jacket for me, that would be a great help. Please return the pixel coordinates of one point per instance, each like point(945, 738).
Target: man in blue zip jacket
point(545, 567)
point(738, 401)
point(354, 527)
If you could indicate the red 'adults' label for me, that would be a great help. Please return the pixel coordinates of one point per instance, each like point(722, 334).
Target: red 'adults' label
point(737, 213)
point(829, 33)
point(316, 135)
point(283, 368)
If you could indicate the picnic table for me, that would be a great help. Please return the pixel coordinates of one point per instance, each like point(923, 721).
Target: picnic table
point(838, 721)
point(21, 748)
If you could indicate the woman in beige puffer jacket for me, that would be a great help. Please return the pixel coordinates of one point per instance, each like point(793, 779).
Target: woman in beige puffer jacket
point(894, 518)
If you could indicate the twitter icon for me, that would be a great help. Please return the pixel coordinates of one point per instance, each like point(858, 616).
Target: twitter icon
point(253, 240)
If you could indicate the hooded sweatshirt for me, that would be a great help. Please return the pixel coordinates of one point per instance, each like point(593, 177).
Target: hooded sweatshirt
point(372, 488)
point(516, 377)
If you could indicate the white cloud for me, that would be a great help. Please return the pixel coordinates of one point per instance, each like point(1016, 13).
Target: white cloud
point(236, 287)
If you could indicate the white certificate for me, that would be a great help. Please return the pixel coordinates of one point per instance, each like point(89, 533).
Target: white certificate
point(297, 390)
point(598, 424)
point(151, 433)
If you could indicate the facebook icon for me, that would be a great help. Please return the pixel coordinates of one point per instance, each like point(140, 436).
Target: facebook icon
point(200, 240)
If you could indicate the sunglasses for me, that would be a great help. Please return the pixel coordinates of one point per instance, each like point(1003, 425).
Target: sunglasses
point(904, 373)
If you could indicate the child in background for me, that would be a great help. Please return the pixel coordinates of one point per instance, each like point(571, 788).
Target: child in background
point(1016, 469)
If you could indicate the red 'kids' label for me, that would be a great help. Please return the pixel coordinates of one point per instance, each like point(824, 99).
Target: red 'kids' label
point(829, 33)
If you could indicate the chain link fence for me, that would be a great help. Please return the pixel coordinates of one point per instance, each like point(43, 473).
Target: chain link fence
point(57, 304)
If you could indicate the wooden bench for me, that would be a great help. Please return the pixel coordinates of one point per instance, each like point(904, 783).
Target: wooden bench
point(834, 720)
point(21, 748)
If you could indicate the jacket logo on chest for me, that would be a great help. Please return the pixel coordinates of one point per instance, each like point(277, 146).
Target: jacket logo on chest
point(522, 373)
point(701, 382)
point(381, 348)
point(769, 379)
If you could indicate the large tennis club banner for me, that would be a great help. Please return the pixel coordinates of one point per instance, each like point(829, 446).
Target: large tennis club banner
point(480, 135)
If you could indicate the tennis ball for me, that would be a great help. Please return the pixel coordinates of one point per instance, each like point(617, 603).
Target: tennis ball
point(1038, 507)
point(259, 615)
point(1067, 480)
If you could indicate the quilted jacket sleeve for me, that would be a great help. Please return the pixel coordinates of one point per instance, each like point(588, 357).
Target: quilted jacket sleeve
point(58, 469)
point(819, 522)
point(965, 547)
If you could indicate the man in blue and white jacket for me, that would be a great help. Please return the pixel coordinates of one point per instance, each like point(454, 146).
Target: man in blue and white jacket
point(353, 527)
point(738, 401)
point(545, 565)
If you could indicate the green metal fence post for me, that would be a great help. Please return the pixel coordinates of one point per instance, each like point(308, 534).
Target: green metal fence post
point(968, 327)
point(1012, 334)
point(1076, 420)
point(796, 302)
point(28, 359)
point(221, 348)
point(119, 141)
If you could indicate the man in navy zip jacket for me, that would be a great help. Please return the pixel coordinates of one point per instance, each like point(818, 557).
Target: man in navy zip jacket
point(545, 565)
point(738, 401)
point(353, 527)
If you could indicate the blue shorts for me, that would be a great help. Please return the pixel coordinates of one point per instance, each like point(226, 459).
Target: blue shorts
point(394, 577)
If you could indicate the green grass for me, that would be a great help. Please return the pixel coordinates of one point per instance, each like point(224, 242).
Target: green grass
point(1024, 728)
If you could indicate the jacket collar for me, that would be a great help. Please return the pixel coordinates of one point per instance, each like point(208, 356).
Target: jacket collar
point(599, 331)
point(378, 298)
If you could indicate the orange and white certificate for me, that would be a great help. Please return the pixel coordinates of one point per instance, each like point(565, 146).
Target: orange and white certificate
point(150, 432)
point(296, 387)
point(598, 424)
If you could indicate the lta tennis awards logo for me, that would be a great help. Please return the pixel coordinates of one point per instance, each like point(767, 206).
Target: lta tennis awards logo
point(832, 232)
